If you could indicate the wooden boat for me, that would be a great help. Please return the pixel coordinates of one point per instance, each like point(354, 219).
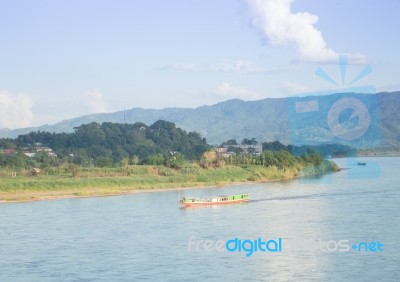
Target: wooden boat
point(221, 200)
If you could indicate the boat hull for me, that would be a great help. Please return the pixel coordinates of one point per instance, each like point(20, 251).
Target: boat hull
point(214, 203)
point(222, 200)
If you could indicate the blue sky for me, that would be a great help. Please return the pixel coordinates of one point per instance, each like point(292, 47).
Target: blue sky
point(62, 59)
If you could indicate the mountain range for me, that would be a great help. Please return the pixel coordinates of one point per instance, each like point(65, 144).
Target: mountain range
point(282, 119)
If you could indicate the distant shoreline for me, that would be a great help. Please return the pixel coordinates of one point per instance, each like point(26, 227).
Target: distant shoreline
point(373, 155)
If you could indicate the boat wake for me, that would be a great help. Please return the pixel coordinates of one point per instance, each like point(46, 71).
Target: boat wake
point(317, 195)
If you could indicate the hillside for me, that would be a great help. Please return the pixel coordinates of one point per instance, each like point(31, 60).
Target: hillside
point(266, 120)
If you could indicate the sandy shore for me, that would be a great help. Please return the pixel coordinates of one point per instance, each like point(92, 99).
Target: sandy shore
point(88, 193)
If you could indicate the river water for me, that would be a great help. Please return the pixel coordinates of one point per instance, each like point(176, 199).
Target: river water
point(337, 227)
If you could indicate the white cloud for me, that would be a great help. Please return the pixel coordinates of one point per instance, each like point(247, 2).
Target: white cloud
point(182, 67)
point(95, 101)
point(238, 67)
point(242, 66)
point(15, 110)
point(228, 91)
point(276, 21)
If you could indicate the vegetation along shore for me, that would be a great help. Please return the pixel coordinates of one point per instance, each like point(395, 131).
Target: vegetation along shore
point(112, 159)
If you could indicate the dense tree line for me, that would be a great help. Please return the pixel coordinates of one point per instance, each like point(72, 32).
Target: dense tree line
point(325, 150)
point(109, 144)
point(279, 158)
point(162, 143)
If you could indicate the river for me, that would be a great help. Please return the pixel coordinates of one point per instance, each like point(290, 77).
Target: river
point(343, 226)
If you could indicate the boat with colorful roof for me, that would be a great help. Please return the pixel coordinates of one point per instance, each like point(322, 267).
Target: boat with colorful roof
point(221, 200)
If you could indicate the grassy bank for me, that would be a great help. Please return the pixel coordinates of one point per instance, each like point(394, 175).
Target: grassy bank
point(111, 181)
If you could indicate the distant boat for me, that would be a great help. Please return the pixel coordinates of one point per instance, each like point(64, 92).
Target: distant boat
point(221, 200)
point(361, 163)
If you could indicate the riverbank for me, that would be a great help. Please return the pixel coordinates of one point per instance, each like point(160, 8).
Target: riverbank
point(135, 179)
point(389, 151)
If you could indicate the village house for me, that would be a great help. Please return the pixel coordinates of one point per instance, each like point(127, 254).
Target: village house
point(9, 151)
point(255, 149)
point(47, 150)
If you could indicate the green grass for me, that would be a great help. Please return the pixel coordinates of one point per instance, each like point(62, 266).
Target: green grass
point(106, 181)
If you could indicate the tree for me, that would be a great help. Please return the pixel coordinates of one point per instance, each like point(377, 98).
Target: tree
point(268, 158)
point(230, 142)
point(236, 150)
point(80, 157)
point(104, 161)
point(7, 143)
point(274, 146)
point(176, 160)
point(155, 159)
point(124, 162)
point(88, 135)
point(251, 141)
point(95, 143)
point(74, 170)
point(134, 160)
point(285, 159)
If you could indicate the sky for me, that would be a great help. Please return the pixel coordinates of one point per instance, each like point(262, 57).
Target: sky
point(63, 59)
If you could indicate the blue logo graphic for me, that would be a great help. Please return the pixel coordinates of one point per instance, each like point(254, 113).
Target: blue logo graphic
point(368, 247)
point(236, 245)
point(346, 116)
point(251, 246)
point(332, 246)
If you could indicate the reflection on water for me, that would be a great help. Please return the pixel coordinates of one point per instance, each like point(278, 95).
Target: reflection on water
point(145, 236)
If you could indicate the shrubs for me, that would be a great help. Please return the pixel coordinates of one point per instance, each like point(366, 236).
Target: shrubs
point(74, 170)
point(211, 159)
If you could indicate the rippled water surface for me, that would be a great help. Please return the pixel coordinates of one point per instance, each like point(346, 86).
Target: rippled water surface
point(145, 236)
